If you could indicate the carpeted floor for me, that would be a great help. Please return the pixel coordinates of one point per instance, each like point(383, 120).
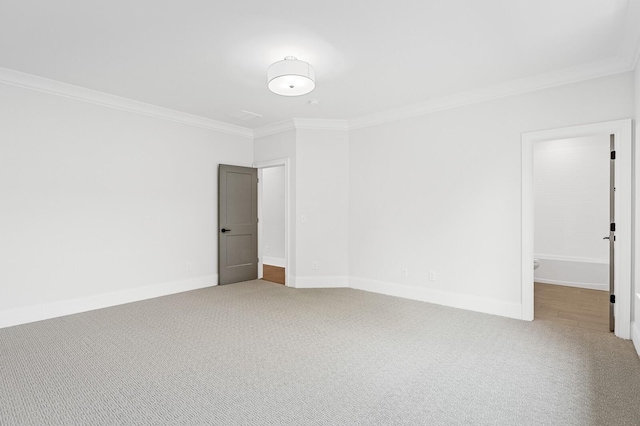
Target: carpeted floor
point(258, 353)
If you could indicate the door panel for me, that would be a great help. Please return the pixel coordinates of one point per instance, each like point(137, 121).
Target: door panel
point(238, 208)
point(238, 250)
point(237, 224)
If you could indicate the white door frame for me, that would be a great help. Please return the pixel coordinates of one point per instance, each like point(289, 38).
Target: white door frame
point(280, 162)
point(623, 204)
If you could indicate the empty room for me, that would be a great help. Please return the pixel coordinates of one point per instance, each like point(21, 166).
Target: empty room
point(331, 213)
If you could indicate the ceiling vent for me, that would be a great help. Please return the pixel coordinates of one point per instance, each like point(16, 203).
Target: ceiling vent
point(245, 115)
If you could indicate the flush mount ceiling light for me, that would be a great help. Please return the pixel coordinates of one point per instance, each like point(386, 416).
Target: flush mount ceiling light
point(291, 77)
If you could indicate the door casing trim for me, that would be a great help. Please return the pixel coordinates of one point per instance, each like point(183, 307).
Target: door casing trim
point(625, 239)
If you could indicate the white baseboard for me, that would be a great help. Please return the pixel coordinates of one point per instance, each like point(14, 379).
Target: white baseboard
point(581, 272)
point(67, 307)
point(577, 259)
point(275, 261)
point(454, 300)
point(590, 286)
point(322, 282)
point(635, 335)
point(290, 281)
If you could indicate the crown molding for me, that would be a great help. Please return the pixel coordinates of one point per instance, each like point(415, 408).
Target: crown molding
point(272, 129)
point(320, 124)
point(629, 61)
point(502, 90)
point(604, 68)
point(300, 123)
point(41, 84)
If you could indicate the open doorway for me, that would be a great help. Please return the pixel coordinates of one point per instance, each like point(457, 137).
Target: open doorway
point(621, 131)
point(274, 245)
point(573, 190)
point(273, 224)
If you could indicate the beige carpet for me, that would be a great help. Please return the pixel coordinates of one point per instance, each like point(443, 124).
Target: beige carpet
point(258, 353)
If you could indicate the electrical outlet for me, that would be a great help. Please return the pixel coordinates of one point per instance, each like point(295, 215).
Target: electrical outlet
point(405, 272)
point(188, 266)
point(314, 264)
point(303, 218)
point(266, 249)
point(432, 275)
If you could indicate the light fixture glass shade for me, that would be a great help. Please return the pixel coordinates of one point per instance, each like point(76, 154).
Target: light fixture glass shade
point(291, 77)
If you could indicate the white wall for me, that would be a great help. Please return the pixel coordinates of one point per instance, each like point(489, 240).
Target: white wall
point(98, 200)
point(272, 219)
point(571, 198)
point(441, 192)
point(322, 198)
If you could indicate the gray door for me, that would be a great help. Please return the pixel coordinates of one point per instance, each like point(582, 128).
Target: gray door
point(612, 229)
point(237, 224)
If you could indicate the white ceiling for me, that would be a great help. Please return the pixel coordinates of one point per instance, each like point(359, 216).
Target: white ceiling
point(210, 58)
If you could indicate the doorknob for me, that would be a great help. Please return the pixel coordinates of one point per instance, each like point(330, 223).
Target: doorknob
point(225, 230)
point(606, 238)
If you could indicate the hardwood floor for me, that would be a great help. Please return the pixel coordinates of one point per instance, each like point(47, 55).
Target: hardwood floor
point(273, 274)
point(572, 306)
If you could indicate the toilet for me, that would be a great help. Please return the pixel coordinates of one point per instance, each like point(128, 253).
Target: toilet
point(536, 264)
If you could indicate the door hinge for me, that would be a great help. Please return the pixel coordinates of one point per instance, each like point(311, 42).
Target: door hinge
point(613, 227)
point(613, 155)
point(612, 298)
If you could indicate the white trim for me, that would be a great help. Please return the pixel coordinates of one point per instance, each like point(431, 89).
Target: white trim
point(320, 124)
point(636, 335)
point(635, 326)
point(571, 258)
point(289, 278)
point(502, 90)
point(322, 282)
point(41, 84)
point(275, 261)
point(590, 286)
point(260, 215)
point(454, 300)
point(272, 129)
point(104, 300)
point(624, 238)
point(526, 295)
point(300, 123)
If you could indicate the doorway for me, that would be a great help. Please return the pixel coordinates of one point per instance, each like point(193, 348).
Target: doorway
point(274, 225)
point(621, 131)
point(572, 197)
